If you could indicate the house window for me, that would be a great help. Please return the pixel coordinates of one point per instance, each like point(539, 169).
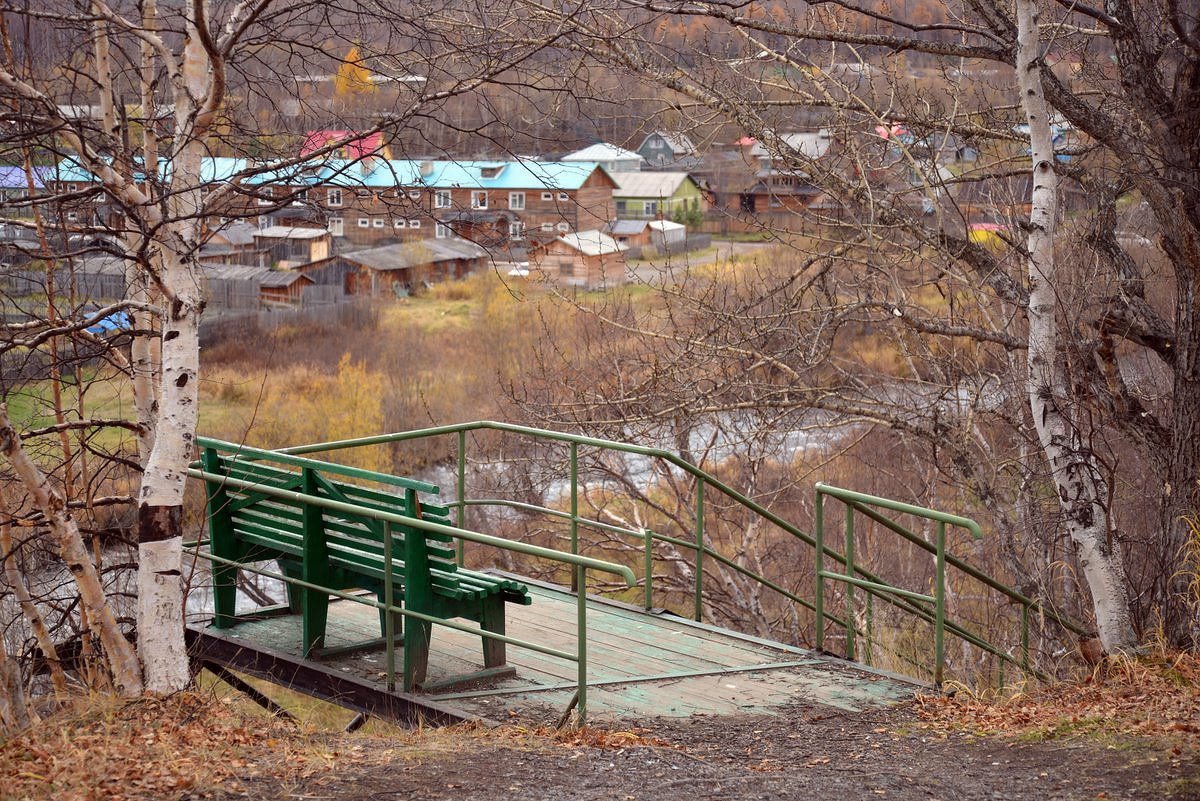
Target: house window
point(650, 207)
point(478, 199)
point(264, 223)
point(72, 216)
point(414, 195)
point(547, 226)
point(362, 193)
point(334, 198)
point(442, 231)
point(547, 196)
point(516, 229)
point(566, 268)
point(563, 226)
point(516, 201)
point(441, 199)
point(621, 207)
point(265, 195)
point(364, 222)
point(300, 196)
point(563, 196)
point(336, 226)
point(399, 223)
point(377, 222)
point(414, 223)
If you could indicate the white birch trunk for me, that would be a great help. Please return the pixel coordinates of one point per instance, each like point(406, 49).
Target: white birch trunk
point(160, 613)
point(1082, 491)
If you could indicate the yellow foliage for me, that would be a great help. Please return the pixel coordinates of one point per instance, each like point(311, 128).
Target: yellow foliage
point(353, 77)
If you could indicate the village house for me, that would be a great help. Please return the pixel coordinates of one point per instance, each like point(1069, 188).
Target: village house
point(610, 157)
point(375, 200)
point(669, 150)
point(654, 195)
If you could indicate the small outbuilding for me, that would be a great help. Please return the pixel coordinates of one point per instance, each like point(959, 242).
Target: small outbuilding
point(400, 269)
point(590, 259)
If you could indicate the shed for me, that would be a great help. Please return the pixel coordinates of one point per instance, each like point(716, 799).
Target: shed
point(590, 259)
point(401, 268)
point(634, 233)
point(668, 236)
point(290, 246)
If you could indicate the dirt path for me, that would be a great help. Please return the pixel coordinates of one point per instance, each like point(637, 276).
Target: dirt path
point(806, 753)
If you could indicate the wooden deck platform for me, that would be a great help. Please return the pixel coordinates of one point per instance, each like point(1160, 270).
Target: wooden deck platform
point(640, 665)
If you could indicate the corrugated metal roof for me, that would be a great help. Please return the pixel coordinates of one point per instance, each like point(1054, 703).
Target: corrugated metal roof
point(656, 185)
point(385, 173)
point(666, 225)
point(290, 232)
point(626, 227)
point(414, 254)
point(592, 243)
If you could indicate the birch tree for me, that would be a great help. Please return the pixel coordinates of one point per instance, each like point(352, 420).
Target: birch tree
point(205, 75)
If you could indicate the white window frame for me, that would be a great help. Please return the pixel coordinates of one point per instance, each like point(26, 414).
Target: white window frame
point(441, 199)
point(564, 227)
point(377, 222)
point(516, 201)
point(337, 226)
point(400, 223)
point(442, 231)
point(413, 195)
point(563, 196)
point(268, 194)
point(364, 222)
point(72, 187)
point(414, 223)
point(72, 216)
point(547, 227)
point(334, 198)
point(479, 199)
point(516, 229)
point(547, 196)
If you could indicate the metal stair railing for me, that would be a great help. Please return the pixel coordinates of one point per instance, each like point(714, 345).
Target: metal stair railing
point(921, 606)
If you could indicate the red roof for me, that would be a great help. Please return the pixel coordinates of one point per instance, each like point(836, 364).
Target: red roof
point(368, 145)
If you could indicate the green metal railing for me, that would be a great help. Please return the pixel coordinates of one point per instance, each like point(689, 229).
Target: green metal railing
point(579, 565)
point(914, 602)
point(921, 606)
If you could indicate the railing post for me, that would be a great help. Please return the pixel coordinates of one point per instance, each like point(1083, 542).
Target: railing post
point(850, 587)
point(818, 568)
point(1025, 637)
point(460, 516)
point(581, 628)
point(389, 622)
point(575, 586)
point(649, 568)
point(868, 656)
point(940, 602)
point(699, 610)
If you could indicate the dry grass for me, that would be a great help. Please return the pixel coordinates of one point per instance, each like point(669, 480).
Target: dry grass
point(1156, 697)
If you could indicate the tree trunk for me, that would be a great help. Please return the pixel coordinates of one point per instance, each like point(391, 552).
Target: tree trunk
point(8, 555)
point(1082, 490)
point(122, 660)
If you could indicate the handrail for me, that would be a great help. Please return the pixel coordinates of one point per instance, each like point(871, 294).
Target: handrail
point(862, 502)
point(910, 603)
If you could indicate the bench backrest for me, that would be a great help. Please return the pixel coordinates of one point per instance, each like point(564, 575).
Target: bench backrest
point(345, 538)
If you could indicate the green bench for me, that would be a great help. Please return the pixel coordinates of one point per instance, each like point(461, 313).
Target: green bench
point(342, 550)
